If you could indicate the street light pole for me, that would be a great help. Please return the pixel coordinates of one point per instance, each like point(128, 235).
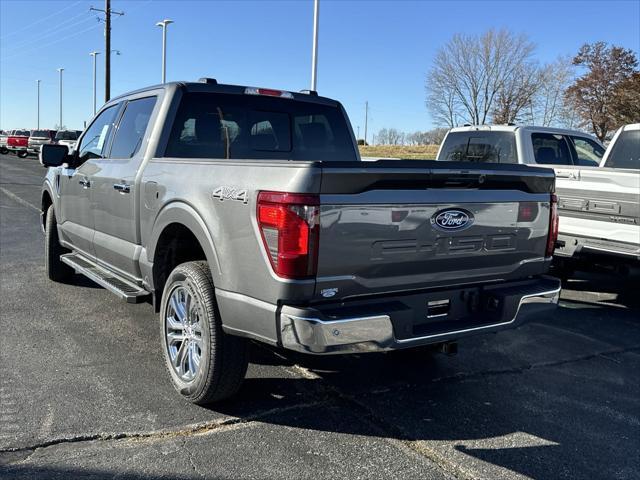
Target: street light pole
point(60, 70)
point(38, 117)
point(164, 24)
point(94, 54)
point(314, 54)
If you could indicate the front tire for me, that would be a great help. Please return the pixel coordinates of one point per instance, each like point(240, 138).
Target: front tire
point(56, 269)
point(22, 154)
point(205, 364)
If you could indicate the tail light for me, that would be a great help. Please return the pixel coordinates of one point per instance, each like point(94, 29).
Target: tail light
point(553, 226)
point(290, 232)
point(527, 211)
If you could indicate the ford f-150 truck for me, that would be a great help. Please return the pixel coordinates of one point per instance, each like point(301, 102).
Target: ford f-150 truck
point(18, 142)
point(600, 207)
point(246, 213)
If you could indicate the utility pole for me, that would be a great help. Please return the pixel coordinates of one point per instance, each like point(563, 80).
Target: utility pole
point(314, 53)
point(107, 45)
point(107, 50)
point(60, 70)
point(358, 127)
point(366, 120)
point(164, 24)
point(94, 54)
point(38, 117)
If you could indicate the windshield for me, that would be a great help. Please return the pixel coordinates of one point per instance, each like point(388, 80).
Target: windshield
point(625, 152)
point(67, 135)
point(210, 125)
point(480, 147)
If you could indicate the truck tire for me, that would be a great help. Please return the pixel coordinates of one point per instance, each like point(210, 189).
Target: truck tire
point(22, 154)
point(56, 269)
point(205, 364)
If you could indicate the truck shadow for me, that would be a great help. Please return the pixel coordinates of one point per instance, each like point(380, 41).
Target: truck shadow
point(611, 287)
point(555, 399)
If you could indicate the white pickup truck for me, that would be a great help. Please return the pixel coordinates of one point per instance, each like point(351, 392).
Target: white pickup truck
point(598, 191)
point(600, 207)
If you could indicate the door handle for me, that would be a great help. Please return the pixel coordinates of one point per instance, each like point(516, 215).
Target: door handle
point(85, 183)
point(122, 187)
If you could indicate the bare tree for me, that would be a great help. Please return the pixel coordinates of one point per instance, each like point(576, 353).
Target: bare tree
point(391, 136)
point(470, 71)
point(517, 94)
point(548, 107)
point(593, 95)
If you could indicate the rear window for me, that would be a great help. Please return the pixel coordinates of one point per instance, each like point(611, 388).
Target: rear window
point(67, 135)
point(625, 153)
point(480, 147)
point(40, 133)
point(21, 133)
point(210, 125)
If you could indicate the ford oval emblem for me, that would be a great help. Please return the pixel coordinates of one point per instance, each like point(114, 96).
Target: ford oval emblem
point(452, 219)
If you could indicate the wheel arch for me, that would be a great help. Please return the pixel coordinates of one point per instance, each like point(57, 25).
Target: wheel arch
point(179, 234)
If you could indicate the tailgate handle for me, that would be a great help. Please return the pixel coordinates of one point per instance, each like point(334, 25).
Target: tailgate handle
point(122, 187)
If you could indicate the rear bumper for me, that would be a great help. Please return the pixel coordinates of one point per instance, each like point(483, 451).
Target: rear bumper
point(324, 331)
point(573, 246)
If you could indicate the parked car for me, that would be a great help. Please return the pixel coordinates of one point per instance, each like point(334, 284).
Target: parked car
point(3, 142)
point(247, 213)
point(38, 138)
point(18, 142)
point(68, 138)
point(527, 145)
point(600, 208)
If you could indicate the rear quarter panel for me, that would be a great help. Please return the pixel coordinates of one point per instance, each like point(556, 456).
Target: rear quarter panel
point(243, 266)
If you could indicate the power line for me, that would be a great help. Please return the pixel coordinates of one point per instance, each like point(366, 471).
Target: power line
point(53, 42)
point(45, 34)
point(24, 27)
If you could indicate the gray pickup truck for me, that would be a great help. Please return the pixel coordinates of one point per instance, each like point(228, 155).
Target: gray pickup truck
point(246, 213)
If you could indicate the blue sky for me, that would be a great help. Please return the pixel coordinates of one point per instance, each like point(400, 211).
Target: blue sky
point(378, 50)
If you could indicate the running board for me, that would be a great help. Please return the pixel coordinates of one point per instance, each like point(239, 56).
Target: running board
point(106, 278)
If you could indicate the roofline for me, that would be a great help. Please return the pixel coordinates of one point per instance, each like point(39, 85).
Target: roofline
point(222, 88)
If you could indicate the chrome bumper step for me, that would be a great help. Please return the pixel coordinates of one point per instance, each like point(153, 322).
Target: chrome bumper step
point(126, 290)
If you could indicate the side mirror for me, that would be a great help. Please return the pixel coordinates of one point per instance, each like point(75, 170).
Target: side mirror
point(52, 155)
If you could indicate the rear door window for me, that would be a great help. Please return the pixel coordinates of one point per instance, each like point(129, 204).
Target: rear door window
point(480, 147)
point(132, 127)
point(551, 149)
point(588, 151)
point(625, 152)
point(236, 126)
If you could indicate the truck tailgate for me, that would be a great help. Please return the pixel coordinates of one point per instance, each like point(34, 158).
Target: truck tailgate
point(406, 225)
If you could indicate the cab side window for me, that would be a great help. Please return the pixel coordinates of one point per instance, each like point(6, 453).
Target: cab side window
point(95, 138)
point(589, 152)
point(128, 137)
point(551, 149)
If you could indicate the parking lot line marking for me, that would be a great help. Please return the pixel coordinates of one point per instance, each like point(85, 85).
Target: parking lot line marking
point(16, 198)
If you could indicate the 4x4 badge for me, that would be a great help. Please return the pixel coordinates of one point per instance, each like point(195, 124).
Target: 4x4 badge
point(230, 193)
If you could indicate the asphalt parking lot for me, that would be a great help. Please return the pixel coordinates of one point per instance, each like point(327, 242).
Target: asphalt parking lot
point(84, 394)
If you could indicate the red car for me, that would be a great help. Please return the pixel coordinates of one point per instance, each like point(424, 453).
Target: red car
point(18, 142)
